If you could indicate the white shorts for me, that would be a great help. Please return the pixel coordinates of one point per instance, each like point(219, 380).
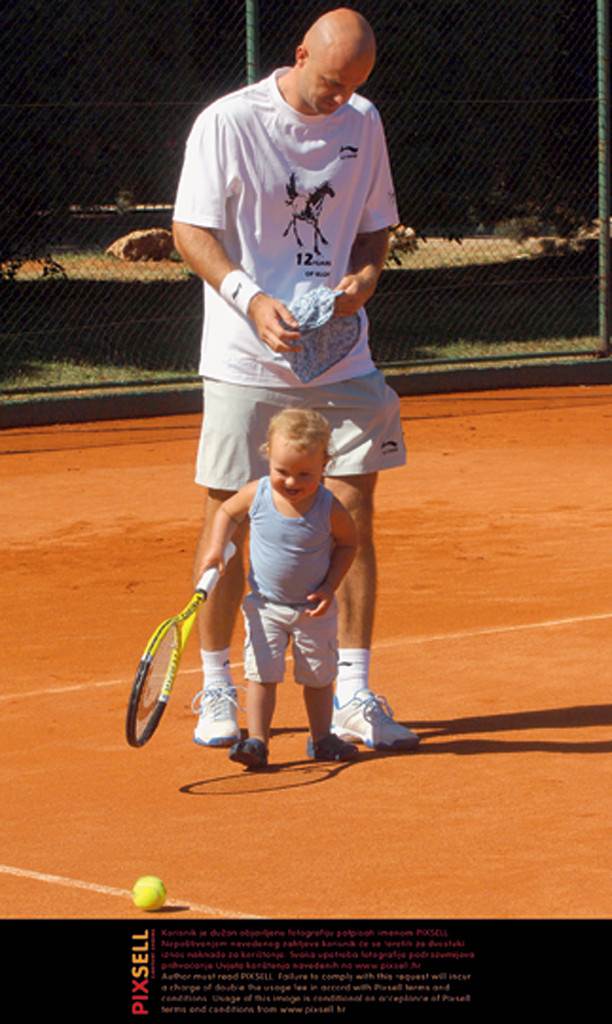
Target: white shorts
point(363, 414)
point(269, 630)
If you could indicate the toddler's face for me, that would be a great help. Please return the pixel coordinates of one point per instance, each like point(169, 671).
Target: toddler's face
point(295, 474)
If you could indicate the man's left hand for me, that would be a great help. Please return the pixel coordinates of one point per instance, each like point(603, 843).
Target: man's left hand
point(367, 260)
point(357, 289)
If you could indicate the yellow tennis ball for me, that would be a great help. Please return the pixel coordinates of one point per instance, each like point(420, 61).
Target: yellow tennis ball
point(149, 893)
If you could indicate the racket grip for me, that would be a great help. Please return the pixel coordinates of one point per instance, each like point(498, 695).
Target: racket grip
point(209, 577)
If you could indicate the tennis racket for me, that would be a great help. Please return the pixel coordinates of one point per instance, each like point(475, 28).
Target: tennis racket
point(160, 663)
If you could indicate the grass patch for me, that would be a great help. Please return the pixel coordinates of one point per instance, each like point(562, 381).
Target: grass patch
point(460, 350)
point(433, 254)
point(40, 375)
point(438, 253)
point(112, 321)
point(94, 265)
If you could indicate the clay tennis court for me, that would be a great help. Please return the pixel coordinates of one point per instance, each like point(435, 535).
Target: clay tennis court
point(493, 641)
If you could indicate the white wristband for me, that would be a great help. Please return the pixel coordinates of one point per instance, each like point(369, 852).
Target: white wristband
point(238, 289)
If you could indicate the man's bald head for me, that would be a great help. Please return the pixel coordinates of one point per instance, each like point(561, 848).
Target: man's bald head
point(343, 32)
point(335, 57)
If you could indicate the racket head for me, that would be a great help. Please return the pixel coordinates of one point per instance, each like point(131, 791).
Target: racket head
point(153, 683)
point(159, 664)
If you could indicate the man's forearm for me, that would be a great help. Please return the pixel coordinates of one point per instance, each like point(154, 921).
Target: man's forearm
point(206, 255)
point(203, 252)
point(368, 255)
point(367, 260)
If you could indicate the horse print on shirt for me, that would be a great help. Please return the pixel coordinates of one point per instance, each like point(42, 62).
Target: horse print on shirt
point(307, 208)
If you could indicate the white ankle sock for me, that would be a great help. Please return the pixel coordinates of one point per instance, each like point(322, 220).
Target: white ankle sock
point(217, 672)
point(353, 672)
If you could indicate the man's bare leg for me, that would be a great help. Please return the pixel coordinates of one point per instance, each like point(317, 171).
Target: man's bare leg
point(217, 724)
point(216, 623)
point(358, 713)
point(357, 592)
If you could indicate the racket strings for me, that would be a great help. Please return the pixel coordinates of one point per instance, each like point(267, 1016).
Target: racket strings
point(159, 668)
point(164, 658)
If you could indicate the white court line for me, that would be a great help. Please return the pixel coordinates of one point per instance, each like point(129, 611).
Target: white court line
point(51, 691)
point(492, 630)
point(398, 641)
point(107, 890)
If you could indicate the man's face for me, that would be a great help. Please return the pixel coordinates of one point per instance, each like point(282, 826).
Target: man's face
point(326, 82)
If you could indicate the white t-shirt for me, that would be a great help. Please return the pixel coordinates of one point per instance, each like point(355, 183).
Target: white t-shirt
point(287, 194)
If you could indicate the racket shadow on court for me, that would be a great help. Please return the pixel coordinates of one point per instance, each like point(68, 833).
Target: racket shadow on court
point(566, 718)
point(283, 775)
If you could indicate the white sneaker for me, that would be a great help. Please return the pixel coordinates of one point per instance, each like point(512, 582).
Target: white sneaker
point(217, 725)
point(369, 719)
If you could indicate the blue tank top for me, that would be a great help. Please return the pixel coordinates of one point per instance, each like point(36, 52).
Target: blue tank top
point(289, 557)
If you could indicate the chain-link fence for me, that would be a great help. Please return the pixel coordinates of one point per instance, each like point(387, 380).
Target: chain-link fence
point(491, 117)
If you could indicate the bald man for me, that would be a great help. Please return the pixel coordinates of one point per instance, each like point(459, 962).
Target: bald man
point(286, 188)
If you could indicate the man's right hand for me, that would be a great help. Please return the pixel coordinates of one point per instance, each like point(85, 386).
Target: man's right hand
point(275, 325)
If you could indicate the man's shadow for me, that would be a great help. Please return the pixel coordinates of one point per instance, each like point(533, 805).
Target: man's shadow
point(579, 717)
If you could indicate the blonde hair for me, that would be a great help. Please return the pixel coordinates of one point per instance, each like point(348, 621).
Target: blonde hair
point(303, 428)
